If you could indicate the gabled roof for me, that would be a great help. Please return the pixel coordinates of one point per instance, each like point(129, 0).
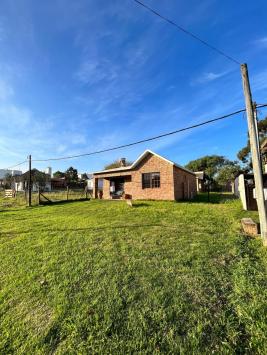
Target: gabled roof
point(34, 172)
point(138, 161)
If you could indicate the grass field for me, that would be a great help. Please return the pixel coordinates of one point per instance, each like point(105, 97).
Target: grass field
point(161, 277)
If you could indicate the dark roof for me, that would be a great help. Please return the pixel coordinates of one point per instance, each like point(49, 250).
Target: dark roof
point(34, 172)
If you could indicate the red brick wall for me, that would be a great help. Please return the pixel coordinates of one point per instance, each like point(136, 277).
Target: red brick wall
point(172, 180)
point(152, 164)
point(106, 189)
point(185, 186)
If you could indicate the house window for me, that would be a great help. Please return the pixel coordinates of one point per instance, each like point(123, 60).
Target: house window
point(150, 180)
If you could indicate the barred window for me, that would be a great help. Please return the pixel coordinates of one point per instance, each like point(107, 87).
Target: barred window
point(150, 180)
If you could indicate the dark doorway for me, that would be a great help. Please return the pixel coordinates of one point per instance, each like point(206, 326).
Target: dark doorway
point(117, 187)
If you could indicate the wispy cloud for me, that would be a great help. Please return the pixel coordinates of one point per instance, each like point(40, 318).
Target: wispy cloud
point(261, 43)
point(96, 70)
point(11, 114)
point(208, 77)
point(6, 90)
point(259, 81)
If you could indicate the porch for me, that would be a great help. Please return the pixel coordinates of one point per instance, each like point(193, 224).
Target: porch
point(113, 187)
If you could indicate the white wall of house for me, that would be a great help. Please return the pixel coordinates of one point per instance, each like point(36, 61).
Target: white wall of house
point(90, 184)
point(242, 190)
point(22, 186)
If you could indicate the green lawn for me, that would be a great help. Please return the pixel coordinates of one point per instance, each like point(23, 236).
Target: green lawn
point(101, 277)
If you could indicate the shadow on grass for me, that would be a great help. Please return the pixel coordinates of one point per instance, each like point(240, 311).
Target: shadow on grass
point(51, 203)
point(213, 197)
point(140, 204)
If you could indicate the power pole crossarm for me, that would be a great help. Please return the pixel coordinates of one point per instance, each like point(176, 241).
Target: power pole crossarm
point(255, 153)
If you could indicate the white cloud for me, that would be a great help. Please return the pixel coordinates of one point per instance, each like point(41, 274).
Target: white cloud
point(61, 148)
point(96, 70)
point(261, 42)
point(14, 116)
point(259, 81)
point(6, 91)
point(208, 77)
point(78, 139)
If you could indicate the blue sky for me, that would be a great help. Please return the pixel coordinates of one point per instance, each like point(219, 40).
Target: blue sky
point(78, 76)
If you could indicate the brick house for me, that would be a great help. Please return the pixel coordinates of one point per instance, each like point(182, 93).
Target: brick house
point(150, 177)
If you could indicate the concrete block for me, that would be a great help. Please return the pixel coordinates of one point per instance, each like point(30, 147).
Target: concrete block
point(250, 227)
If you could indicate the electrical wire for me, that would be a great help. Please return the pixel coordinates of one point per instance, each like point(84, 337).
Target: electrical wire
point(187, 32)
point(143, 140)
point(14, 166)
point(140, 141)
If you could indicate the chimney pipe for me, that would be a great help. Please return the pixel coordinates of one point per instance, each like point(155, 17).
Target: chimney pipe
point(123, 162)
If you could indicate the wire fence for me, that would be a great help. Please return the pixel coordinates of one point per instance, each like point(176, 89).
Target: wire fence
point(67, 195)
point(20, 199)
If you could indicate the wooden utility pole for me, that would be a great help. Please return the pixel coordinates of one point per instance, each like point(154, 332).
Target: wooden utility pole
point(30, 181)
point(255, 153)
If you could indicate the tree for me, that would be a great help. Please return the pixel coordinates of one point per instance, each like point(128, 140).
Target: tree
point(244, 155)
point(71, 175)
point(7, 181)
point(84, 176)
point(116, 164)
point(228, 173)
point(39, 178)
point(59, 174)
point(218, 169)
point(210, 164)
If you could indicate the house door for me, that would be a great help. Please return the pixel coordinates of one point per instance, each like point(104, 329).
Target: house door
point(117, 187)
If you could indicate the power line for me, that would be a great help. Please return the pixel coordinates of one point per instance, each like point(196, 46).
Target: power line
point(187, 32)
point(144, 140)
point(141, 141)
point(14, 166)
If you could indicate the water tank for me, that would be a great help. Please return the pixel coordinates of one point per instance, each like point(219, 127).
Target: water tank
point(48, 170)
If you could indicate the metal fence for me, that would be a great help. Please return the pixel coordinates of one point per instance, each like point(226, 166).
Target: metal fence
point(66, 195)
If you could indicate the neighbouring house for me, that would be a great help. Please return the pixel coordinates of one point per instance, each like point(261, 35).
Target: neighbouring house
point(40, 180)
point(150, 177)
point(200, 180)
point(264, 153)
point(61, 183)
point(244, 188)
point(244, 185)
point(90, 182)
point(9, 178)
point(58, 183)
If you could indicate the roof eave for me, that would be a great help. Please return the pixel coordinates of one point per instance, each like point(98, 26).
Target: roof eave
point(138, 160)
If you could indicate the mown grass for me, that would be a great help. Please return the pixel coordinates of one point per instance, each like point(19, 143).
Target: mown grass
point(161, 277)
